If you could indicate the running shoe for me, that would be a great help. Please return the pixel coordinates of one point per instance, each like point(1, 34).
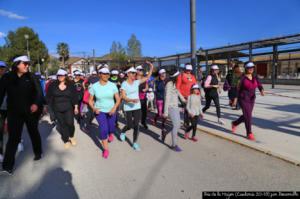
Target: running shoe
point(37, 157)
point(20, 147)
point(73, 141)
point(1, 158)
point(177, 148)
point(105, 154)
point(67, 145)
point(163, 135)
point(233, 127)
point(145, 126)
point(221, 122)
point(186, 135)
point(122, 137)
point(251, 137)
point(136, 147)
point(111, 137)
point(6, 172)
point(194, 139)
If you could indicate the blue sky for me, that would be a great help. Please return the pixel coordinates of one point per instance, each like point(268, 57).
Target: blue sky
point(161, 25)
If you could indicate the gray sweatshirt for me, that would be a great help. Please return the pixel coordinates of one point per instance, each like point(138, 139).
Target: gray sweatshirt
point(171, 97)
point(194, 106)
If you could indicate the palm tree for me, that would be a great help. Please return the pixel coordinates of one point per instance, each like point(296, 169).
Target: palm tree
point(63, 51)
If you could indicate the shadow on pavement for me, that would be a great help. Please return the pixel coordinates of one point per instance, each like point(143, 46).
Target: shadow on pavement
point(57, 183)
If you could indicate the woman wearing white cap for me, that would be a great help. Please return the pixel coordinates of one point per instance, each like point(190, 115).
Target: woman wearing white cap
point(171, 108)
point(132, 105)
point(3, 112)
point(184, 84)
point(104, 101)
point(24, 105)
point(211, 88)
point(143, 88)
point(194, 109)
point(62, 98)
point(159, 86)
point(246, 98)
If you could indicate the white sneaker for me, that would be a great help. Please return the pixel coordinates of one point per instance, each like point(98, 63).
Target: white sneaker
point(221, 122)
point(20, 147)
point(1, 158)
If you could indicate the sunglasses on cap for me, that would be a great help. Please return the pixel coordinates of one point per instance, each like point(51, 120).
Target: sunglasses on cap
point(134, 73)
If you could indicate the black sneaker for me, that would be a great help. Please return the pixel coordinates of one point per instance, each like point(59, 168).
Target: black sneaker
point(6, 172)
point(37, 157)
point(146, 126)
point(163, 135)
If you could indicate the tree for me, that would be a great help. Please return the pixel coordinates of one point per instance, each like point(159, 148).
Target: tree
point(63, 51)
point(118, 54)
point(134, 47)
point(16, 45)
point(53, 66)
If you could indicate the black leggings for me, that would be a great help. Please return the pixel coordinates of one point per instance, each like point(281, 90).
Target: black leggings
point(65, 126)
point(132, 121)
point(3, 115)
point(15, 126)
point(215, 98)
point(193, 127)
point(144, 111)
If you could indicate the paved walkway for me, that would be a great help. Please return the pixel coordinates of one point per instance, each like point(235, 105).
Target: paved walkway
point(276, 123)
point(157, 172)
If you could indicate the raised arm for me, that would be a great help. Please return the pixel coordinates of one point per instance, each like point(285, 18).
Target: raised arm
point(144, 79)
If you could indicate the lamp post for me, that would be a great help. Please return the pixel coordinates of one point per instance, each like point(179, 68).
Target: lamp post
point(193, 33)
point(26, 36)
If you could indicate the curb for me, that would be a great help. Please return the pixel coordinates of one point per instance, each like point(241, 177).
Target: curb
point(253, 147)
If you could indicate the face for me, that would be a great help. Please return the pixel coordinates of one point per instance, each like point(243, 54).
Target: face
point(23, 67)
point(132, 76)
point(104, 76)
point(77, 77)
point(216, 72)
point(140, 72)
point(237, 70)
point(196, 91)
point(250, 70)
point(61, 78)
point(2, 71)
point(188, 71)
point(162, 76)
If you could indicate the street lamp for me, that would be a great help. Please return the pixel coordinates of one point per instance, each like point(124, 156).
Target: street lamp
point(27, 44)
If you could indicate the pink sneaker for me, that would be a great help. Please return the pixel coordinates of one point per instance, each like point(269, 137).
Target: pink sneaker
point(105, 154)
point(194, 139)
point(251, 137)
point(186, 135)
point(111, 137)
point(233, 127)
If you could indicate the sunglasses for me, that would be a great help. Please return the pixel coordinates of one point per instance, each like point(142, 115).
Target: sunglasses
point(132, 73)
point(26, 63)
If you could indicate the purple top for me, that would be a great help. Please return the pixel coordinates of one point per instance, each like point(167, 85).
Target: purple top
point(247, 88)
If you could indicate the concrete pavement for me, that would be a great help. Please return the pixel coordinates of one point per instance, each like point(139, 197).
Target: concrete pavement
point(155, 172)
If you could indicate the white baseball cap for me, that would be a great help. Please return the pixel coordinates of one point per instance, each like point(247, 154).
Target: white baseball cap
point(150, 89)
point(195, 86)
point(250, 65)
point(94, 72)
point(104, 71)
point(53, 77)
point(215, 67)
point(105, 65)
point(175, 74)
point(23, 58)
point(131, 70)
point(77, 73)
point(139, 67)
point(115, 72)
point(61, 72)
point(161, 71)
point(188, 67)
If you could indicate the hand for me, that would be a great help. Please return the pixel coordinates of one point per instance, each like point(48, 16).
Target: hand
point(76, 111)
point(112, 111)
point(96, 111)
point(34, 108)
point(165, 116)
point(134, 101)
point(215, 86)
point(262, 93)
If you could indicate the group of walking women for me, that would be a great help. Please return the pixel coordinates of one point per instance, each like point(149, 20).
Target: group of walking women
point(104, 94)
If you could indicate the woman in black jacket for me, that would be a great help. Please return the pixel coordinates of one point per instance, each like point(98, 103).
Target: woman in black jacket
point(62, 97)
point(24, 105)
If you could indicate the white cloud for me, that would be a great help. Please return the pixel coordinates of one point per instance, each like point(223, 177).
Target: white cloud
point(11, 15)
point(2, 35)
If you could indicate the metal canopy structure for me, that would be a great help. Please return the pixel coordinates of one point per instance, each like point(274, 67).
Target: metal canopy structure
point(285, 40)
